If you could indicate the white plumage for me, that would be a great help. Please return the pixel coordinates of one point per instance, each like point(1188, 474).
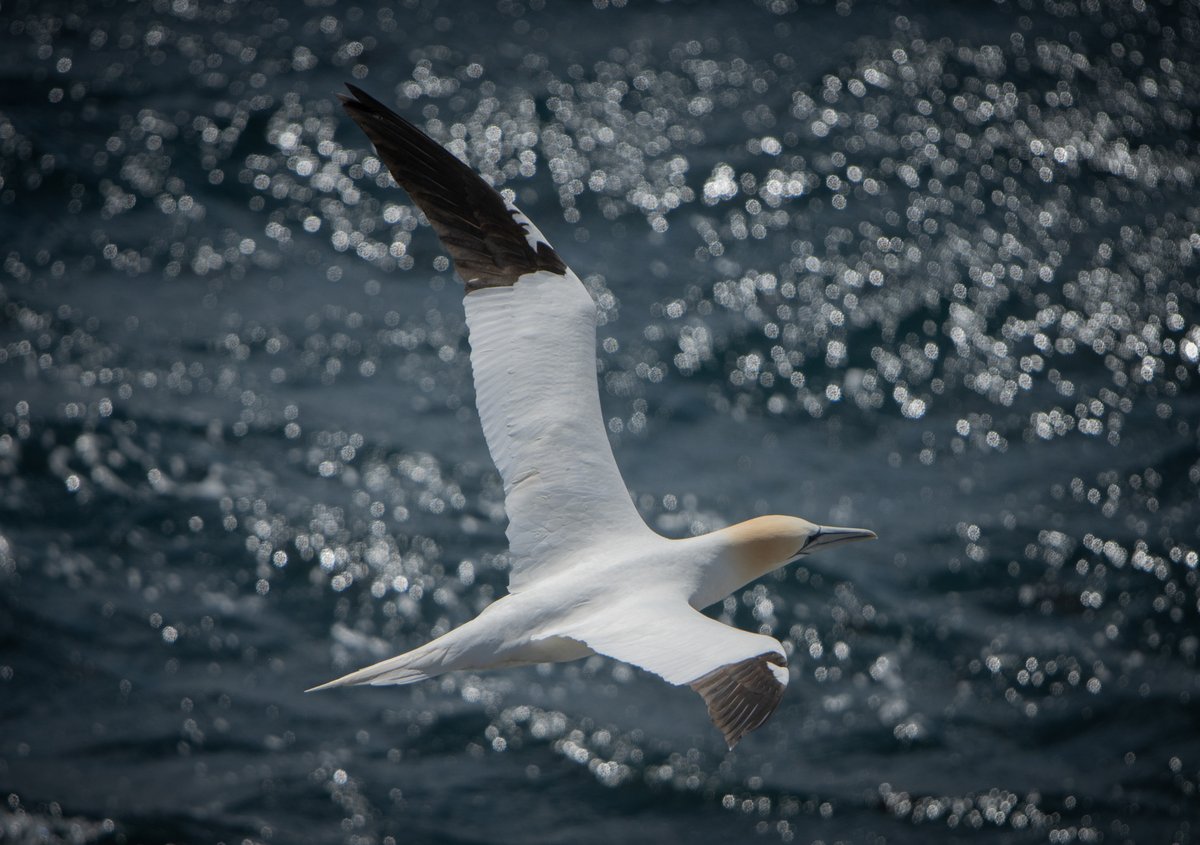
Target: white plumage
point(588, 576)
point(533, 351)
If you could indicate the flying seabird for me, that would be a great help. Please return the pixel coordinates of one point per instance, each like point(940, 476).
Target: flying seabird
point(588, 575)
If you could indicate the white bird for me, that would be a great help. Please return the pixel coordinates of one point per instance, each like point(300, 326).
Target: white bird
point(588, 575)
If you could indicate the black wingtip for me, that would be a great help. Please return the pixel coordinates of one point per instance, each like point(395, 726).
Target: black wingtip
point(356, 99)
point(742, 696)
point(489, 247)
point(360, 98)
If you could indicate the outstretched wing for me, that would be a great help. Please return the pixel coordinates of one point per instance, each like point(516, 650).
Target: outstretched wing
point(741, 675)
point(533, 352)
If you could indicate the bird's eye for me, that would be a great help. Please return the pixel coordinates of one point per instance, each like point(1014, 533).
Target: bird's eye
point(808, 541)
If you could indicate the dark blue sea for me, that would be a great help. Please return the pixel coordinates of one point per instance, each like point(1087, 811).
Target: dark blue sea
point(931, 268)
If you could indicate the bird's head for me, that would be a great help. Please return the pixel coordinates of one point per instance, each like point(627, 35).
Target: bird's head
point(769, 542)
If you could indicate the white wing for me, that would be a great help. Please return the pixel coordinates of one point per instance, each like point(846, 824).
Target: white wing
point(533, 350)
point(741, 675)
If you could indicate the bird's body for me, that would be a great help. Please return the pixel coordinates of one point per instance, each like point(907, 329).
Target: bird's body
point(547, 622)
point(588, 575)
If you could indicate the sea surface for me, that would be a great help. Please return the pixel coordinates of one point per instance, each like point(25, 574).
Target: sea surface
point(928, 268)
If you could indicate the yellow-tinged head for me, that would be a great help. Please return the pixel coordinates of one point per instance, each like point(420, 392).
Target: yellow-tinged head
point(768, 542)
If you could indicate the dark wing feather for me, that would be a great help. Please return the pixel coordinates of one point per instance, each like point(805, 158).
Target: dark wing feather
point(488, 245)
point(742, 696)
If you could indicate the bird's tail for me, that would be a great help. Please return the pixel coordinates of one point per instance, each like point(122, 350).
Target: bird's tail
point(482, 643)
point(408, 668)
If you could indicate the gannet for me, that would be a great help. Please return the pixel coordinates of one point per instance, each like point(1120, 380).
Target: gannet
point(588, 575)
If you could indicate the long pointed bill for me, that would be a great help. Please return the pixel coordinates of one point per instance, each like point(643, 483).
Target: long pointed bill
point(828, 536)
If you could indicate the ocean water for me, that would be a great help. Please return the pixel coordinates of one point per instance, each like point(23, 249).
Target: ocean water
point(928, 268)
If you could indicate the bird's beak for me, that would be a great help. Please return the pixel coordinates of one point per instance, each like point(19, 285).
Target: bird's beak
point(827, 536)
